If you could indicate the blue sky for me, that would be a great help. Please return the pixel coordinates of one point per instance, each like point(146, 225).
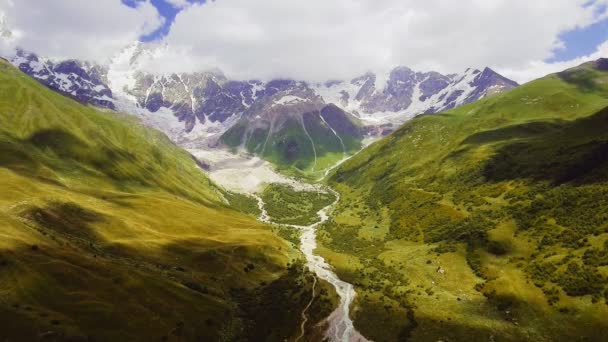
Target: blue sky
point(581, 42)
point(167, 10)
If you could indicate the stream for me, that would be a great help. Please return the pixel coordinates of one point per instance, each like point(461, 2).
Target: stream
point(341, 327)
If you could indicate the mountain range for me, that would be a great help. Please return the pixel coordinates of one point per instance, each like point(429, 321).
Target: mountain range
point(207, 109)
point(485, 221)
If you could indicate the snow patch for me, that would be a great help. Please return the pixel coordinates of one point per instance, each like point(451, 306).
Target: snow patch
point(257, 88)
point(289, 100)
point(465, 85)
point(334, 94)
point(462, 83)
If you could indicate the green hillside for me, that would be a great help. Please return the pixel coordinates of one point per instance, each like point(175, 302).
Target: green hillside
point(304, 143)
point(108, 231)
point(487, 222)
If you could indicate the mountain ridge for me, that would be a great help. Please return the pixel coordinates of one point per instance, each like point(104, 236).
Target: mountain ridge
point(487, 217)
point(210, 95)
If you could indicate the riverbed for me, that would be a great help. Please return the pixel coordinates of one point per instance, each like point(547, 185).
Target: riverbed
point(248, 174)
point(340, 325)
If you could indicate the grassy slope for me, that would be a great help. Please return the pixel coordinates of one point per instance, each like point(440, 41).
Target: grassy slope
point(109, 231)
point(290, 149)
point(484, 222)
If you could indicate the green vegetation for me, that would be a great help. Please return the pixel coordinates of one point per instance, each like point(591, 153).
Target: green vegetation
point(291, 149)
point(243, 203)
point(285, 205)
point(485, 222)
point(271, 318)
point(233, 137)
point(108, 231)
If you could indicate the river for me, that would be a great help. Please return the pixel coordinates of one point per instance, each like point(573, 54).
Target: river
point(246, 174)
point(340, 326)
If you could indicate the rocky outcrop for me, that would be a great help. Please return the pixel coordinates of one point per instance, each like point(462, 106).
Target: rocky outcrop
point(407, 93)
point(602, 64)
point(85, 82)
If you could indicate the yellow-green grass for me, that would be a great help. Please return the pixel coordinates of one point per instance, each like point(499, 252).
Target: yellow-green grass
point(324, 162)
point(496, 219)
point(109, 231)
point(145, 260)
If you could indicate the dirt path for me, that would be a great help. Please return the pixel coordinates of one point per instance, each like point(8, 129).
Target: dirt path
point(304, 316)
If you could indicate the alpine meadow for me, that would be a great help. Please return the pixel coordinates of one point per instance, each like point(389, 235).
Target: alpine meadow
point(303, 171)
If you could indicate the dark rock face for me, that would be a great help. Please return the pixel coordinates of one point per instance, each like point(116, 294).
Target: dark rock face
point(367, 83)
point(202, 96)
point(433, 84)
point(397, 94)
point(83, 82)
point(602, 64)
point(154, 102)
point(488, 79)
point(450, 102)
point(339, 120)
point(234, 97)
point(412, 93)
point(401, 82)
point(276, 86)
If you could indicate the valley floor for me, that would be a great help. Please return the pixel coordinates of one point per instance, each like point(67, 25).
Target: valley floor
point(296, 208)
point(243, 173)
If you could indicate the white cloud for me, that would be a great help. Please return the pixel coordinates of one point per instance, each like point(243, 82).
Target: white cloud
point(178, 3)
point(79, 29)
point(536, 69)
point(320, 39)
point(311, 39)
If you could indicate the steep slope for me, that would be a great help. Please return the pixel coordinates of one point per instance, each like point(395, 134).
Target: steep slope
point(108, 231)
point(187, 106)
point(407, 93)
point(487, 222)
point(295, 128)
point(84, 82)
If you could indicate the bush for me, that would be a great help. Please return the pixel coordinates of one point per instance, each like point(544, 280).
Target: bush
point(581, 280)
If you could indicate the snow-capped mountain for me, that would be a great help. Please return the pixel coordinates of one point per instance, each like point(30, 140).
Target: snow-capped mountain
point(407, 93)
point(199, 107)
point(82, 81)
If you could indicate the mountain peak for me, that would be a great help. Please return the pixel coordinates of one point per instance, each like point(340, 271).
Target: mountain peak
point(401, 69)
point(489, 70)
point(488, 73)
point(602, 64)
